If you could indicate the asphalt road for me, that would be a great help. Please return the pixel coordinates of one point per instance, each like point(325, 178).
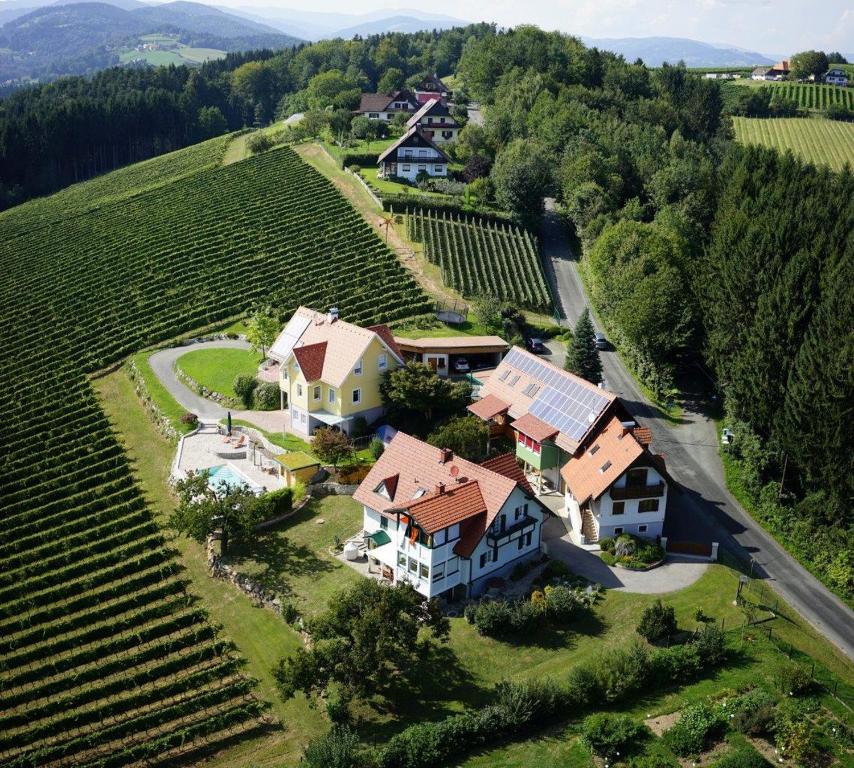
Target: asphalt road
point(703, 509)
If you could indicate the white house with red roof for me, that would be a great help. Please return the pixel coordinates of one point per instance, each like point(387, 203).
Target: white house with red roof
point(435, 121)
point(446, 525)
point(615, 485)
point(411, 154)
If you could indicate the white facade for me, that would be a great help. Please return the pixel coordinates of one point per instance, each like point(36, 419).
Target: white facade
point(435, 569)
point(836, 77)
point(414, 160)
point(641, 516)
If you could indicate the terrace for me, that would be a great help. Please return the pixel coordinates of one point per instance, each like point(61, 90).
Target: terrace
point(244, 457)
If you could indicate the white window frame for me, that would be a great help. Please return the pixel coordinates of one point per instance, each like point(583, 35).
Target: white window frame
point(643, 528)
point(357, 396)
point(618, 531)
point(317, 394)
point(438, 572)
point(299, 389)
point(357, 369)
point(331, 396)
point(382, 361)
point(453, 562)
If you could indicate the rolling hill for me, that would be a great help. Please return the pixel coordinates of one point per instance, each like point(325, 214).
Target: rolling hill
point(656, 50)
point(79, 38)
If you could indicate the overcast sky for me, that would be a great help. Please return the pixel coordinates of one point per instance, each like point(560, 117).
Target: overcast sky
point(767, 26)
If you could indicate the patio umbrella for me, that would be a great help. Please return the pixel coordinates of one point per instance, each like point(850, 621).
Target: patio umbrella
point(229, 423)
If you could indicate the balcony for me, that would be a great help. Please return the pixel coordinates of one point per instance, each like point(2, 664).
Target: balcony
point(638, 492)
point(497, 538)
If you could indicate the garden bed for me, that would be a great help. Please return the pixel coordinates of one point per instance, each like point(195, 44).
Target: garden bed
point(631, 552)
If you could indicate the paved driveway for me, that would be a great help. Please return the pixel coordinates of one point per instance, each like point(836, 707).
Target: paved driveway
point(702, 508)
point(209, 412)
point(676, 573)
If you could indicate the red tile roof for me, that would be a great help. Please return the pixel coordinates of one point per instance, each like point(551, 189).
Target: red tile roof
point(489, 407)
point(390, 484)
point(310, 359)
point(506, 465)
point(420, 469)
point(384, 332)
point(534, 428)
point(610, 453)
point(471, 532)
point(451, 505)
point(643, 435)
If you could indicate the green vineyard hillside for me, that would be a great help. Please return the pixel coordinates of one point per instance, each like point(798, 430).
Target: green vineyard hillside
point(105, 659)
point(478, 257)
point(809, 96)
point(819, 141)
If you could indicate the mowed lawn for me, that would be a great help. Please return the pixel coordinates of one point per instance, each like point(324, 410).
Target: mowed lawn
point(816, 140)
point(216, 369)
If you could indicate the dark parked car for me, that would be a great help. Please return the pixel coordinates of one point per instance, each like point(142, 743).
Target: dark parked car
point(601, 341)
point(536, 346)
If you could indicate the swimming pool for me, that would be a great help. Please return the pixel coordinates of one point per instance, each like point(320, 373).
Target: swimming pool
point(233, 478)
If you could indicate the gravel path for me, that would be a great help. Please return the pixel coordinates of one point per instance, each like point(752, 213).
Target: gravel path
point(209, 412)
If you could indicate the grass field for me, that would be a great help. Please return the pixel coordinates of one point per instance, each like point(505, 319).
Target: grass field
point(172, 52)
point(819, 141)
point(216, 369)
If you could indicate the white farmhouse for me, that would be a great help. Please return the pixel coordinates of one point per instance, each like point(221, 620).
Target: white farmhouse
point(837, 77)
point(411, 154)
point(444, 524)
point(616, 485)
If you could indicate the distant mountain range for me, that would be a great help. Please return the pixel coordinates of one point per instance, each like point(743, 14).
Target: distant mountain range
point(81, 37)
point(316, 25)
point(656, 50)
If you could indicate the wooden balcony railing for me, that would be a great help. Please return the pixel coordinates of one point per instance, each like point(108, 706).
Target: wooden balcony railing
point(638, 492)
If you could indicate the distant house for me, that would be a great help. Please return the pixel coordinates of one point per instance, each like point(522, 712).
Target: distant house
point(435, 121)
point(837, 77)
point(384, 106)
point(444, 524)
point(780, 71)
point(431, 87)
point(330, 370)
point(759, 73)
point(411, 154)
point(616, 485)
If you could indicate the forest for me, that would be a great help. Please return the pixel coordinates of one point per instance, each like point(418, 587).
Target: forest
point(694, 249)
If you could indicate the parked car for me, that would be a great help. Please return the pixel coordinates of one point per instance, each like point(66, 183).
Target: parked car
point(600, 341)
point(536, 346)
point(727, 436)
point(461, 365)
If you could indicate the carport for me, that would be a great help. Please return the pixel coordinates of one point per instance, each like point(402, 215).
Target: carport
point(442, 353)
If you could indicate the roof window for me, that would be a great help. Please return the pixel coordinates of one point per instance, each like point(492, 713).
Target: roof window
point(606, 466)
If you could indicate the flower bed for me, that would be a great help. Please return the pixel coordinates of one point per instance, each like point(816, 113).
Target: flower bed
point(632, 552)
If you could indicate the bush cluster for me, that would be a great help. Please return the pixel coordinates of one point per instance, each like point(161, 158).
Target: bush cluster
point(630, 551)
point(609, 734)
point(692, 732)
point(519, 707)
point(500, 618)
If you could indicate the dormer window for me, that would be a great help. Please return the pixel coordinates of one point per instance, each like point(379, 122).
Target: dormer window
point(357, 369)
point(594, 449)
point(606, 466)
point(382, 490)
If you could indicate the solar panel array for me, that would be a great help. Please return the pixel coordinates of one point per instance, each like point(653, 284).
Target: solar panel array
point(295, 328)
point(564, 404)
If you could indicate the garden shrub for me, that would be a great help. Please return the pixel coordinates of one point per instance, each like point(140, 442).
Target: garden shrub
point(190, 418)
point(499, 618)
point(693, 731)
point(337, 749)
point(623, 672)
point(652, 761)
point(281, 500)
point(657, 622)
point(743, 756)
point(751, 713)
point(556, 569)
point(377, 448)
point(606, 544)
point(582, 686)
point(800, 740)
point(793, 678)
point(266, 396)
point(609, 734)
point(360, 427)
point(562, 603)
point(244, 387)
point(608, 558)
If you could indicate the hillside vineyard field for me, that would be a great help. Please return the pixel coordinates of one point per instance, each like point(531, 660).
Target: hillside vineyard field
point(819, 141)
point(106, 659)
point(479, 257)
point(807, 95)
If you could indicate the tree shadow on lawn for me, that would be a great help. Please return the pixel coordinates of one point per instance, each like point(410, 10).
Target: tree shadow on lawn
point(428, 691)
point(551, 636)
point(275, 560)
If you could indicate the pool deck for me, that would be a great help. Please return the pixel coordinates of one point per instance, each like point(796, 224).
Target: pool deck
point(207, 448)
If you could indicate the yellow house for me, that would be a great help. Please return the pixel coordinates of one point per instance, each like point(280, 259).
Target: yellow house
point(330, 370)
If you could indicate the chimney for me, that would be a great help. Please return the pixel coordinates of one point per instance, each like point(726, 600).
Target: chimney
point(440, 488)
point(333, 314)
point(447, 455)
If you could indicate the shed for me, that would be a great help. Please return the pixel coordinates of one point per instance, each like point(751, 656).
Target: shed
point(297, 466)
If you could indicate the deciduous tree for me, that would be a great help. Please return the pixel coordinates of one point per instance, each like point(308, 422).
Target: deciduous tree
point(261, 330)
point(466, 436)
